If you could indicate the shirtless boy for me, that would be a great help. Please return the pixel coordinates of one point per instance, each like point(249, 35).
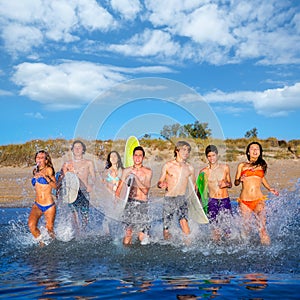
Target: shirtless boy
point(84, 169)
point(219, 180)
point(136, 213)
point(174, 179)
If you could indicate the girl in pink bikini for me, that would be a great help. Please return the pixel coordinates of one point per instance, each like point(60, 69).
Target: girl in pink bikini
point(252, 200)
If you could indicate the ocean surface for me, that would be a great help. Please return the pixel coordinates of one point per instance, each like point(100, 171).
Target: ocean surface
point(95, 265)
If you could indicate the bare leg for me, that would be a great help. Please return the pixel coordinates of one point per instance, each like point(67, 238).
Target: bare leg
point(33, 221)
point(50, 217)
point(185, 226)
point(128, 237)
point(246, 213)
point(261, 224)
point(167, 234)
point(143, 238)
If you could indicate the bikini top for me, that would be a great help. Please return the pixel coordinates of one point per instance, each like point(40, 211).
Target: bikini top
point(109, 178)
point(40, 180)
point(251, 172)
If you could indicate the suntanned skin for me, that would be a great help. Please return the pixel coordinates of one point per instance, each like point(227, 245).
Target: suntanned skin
point(218, 179)
point(43, 197)
point(251, 191)
point(140, 189)
point(174, 179)
point(83, 168)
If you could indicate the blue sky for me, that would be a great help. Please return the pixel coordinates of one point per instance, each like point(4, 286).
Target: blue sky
point(66, 67)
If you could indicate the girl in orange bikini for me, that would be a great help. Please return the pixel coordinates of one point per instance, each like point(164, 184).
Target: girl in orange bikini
point(252, 200)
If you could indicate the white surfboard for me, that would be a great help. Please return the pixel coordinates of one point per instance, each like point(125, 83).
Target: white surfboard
point(125, 191)
point(196, 212)
point(69, 188)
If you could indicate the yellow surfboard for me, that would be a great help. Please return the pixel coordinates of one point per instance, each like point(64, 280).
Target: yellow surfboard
point(131, 143)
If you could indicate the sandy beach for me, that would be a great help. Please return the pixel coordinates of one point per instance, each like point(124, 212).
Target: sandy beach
point(16, 189)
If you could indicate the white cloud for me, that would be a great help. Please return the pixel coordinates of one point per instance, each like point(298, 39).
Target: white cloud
point(215, 31)
point(94, 17)
point(20, 38)
point(149, 43)
point(35, 115)
point(64, 86)
point(127, 8)
point(271, 102)
point(57, 21)
point(5, 93)
point(71, 84)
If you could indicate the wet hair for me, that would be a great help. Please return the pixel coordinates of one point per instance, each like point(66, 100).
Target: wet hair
point(139, 148)
point(48, 161)
point(179, 145)
point(119, 162)
point(211, 148)
point(260, 161)
point(79, 142)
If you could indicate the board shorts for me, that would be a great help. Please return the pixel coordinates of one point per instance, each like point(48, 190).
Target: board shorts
point(174, 206)
point(136, 215)
point(215, 206)
point(82, 203)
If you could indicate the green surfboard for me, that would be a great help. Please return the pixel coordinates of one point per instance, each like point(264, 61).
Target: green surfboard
point(201, 183)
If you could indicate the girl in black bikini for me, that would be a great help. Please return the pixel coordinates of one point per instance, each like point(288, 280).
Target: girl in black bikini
point(43, 181)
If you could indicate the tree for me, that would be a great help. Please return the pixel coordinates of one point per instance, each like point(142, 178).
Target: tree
point(198, 130)
point(251, 133)
point(195, 130)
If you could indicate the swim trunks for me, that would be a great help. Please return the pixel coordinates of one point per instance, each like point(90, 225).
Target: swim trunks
point(40, 180)
point(44, 208)
point(174, 206)
point(136, 215)
point(82, 203)
point(252, 204)
point(215, 206)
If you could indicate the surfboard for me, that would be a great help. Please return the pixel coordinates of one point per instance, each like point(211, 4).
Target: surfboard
point(69, 188)
point(201, 183)
point(131, 143)
point(196, 211)
point(125, 191)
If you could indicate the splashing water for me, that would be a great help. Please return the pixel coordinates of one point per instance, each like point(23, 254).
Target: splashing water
point(96, 258)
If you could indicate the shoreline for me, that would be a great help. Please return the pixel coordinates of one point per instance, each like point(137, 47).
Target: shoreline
point(16, 190)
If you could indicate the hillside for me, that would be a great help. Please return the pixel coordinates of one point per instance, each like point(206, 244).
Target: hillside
point(22, 155)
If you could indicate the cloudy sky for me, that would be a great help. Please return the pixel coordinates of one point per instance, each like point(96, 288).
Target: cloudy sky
point(233, 64)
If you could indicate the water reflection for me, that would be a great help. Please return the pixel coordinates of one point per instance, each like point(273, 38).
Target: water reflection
point(255, 281)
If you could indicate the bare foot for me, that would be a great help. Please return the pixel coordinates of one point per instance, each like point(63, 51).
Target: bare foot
point(167, 234)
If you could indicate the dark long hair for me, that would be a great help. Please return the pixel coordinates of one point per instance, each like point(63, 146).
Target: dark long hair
point(48, 161)
point(108, 162)
point(260, 161)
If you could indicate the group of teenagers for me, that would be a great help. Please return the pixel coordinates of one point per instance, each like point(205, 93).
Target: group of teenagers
point(174, 178)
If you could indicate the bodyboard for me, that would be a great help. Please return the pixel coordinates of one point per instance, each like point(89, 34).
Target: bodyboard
point(131, 143)
point(201, 183)
point(68, 191)
point(124, 195)
point(196, 211)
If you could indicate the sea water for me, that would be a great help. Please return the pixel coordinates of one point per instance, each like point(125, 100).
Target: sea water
point(95, 265)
